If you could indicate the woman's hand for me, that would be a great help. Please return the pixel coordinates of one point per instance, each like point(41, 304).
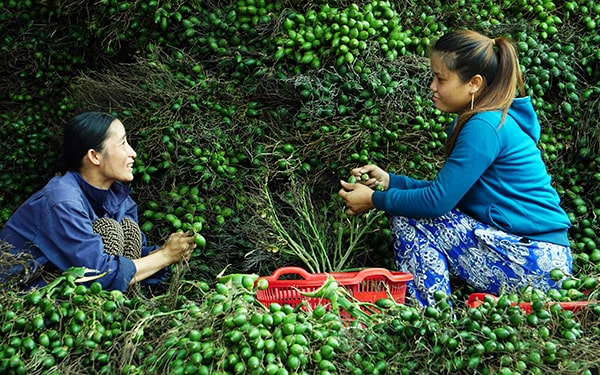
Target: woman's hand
point(179, 246)
point(371, 175)
point(357, 197)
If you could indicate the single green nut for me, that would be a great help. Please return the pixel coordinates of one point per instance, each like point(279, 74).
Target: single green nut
point(557, 275)
point(199, 240)
point(364, 176)
point(352, 179)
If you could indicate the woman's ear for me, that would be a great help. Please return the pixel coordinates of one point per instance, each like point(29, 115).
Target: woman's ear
point(476, 83)
point(92, 157)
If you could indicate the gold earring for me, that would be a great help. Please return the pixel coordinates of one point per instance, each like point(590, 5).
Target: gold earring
point(472, 99)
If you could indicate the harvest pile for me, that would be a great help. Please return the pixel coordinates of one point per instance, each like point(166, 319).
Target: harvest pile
point(223, 329)
point(245, 114)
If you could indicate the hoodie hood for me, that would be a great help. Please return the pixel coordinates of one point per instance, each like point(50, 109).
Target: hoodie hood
point(522, 111)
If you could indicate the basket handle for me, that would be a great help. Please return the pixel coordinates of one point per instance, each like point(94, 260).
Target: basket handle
point(293, 270)
point(373, 271)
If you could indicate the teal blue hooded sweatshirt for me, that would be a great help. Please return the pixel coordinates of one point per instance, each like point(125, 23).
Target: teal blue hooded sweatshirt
point(495, 174)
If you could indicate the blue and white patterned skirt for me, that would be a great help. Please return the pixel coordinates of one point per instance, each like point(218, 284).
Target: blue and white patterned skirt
point(488, 259)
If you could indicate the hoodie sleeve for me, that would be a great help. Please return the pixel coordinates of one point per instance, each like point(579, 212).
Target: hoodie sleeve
point(476, 148)
point(405, 182)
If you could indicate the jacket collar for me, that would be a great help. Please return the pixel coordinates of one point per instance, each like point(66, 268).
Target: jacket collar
point(103, 200)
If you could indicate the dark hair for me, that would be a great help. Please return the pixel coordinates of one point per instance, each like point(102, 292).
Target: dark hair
point(469, 53)
point(85, 131)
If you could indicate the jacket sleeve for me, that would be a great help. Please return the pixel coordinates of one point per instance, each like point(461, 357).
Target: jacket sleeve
point(67, 239)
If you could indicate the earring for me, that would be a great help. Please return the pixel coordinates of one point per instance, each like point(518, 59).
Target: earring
point(472, 100)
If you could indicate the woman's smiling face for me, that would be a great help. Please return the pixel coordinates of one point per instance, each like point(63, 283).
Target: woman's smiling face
point(450, 94)
point(117, 155)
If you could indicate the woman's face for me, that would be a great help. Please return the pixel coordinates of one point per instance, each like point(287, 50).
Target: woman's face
point(117, 157)
point(450, 94)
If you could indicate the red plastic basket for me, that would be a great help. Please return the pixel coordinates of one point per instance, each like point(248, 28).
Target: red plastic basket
point(368, 285)
point(477, 299)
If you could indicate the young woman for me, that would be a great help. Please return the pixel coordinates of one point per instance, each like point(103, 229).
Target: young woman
point(491, 216)
point(87, 218)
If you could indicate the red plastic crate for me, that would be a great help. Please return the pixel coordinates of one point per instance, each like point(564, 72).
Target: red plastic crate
point(367, 285)
point(477, 299)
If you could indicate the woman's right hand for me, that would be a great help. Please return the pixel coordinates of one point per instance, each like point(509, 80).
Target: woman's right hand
point(374, 176)
point(179, 246)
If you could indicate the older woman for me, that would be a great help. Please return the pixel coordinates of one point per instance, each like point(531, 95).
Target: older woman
point(87, 218)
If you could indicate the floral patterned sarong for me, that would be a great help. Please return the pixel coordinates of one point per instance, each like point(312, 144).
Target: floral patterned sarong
point(488, 259)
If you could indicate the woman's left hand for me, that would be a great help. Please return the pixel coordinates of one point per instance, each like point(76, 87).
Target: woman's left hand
point(357, 197)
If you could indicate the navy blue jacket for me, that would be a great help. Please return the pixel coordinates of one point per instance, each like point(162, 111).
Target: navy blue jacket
point(55, 225)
